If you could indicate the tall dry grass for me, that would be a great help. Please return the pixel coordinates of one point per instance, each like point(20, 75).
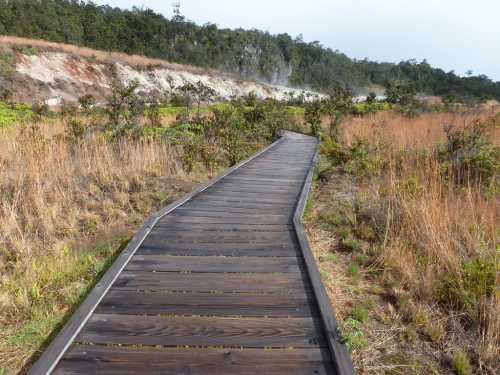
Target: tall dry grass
point(57, 198)
point(438, 231)
point(398, 131)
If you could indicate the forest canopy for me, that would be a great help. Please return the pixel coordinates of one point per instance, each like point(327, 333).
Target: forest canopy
point(251, 54)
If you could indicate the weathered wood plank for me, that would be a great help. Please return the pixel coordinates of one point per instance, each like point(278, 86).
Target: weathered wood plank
point(207, 304)
point(167, 263)
point(207, 218)
point(212, 282)
point(225, 227)
point(237, 250)
point(202, 331)
point(195, 236)
point(86, 359)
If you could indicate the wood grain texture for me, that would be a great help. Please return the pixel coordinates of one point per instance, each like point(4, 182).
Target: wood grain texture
point(168, 263)
point(84, 359)
point(202, 331)
point(213, 282)
point(207, 304)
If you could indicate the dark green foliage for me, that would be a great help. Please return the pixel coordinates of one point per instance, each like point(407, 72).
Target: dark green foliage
point(248, 53)
point(467, 289)
point(312, 116)
point(336, 106)
point(371, 98)
point(468, 154)
point(124, 107)
point(75, 131)
point(86, 103)
point(400, 93)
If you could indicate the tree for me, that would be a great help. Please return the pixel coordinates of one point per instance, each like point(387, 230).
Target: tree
point(312, 116)
point(199, 92)
point(336, 106)
point(124, 106)
point(398, 92)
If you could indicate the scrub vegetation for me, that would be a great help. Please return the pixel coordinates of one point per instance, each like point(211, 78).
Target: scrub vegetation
point(405, 228)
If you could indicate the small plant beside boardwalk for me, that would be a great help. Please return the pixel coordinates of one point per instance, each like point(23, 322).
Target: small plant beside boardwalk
point(405, 227)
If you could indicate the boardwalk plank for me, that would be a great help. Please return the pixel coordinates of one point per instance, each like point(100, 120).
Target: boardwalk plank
point(202, 331)
point(85, 359)
point(167, 263)
point(212, 282)
point(206, 304)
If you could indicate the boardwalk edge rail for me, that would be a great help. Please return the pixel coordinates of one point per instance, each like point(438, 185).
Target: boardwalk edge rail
point(342, 362)
point(61, 343)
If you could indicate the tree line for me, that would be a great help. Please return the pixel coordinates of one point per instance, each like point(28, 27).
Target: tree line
point(249, 53)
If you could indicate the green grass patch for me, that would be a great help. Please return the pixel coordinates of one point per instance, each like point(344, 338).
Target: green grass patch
point(329, 258)
point(461, 364)
point(171, 111)
point(295, 111)
point(14, 114)
point(45, 295)
point(359, 313)
point(353, 334)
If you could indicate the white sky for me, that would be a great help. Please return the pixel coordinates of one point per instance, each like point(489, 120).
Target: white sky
point(451, 34)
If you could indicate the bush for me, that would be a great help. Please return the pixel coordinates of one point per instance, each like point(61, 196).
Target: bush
point(362, 158)
point(333, 150)
point(468, 154)
point(466, 290)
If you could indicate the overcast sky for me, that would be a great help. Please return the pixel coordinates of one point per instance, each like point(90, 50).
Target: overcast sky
point(455, 35)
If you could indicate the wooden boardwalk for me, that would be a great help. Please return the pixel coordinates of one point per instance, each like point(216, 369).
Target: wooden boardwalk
point(222, 282)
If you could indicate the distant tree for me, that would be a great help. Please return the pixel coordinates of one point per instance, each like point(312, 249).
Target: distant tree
point(124, 106)
point(199, 93)
point(398, 92)
point(371, 98)
point(338, 103)
point(312, 116)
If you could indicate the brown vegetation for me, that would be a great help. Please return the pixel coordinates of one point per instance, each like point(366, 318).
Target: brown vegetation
point(405, 227)
point(65, 210)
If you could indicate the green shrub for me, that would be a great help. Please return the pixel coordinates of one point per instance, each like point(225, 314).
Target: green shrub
point(476, 281)
point(333, 150)
point(362, 158)
point(469, 154)
point(351, 244)
point(25, 49)
point(353, 334)
point(328, 258)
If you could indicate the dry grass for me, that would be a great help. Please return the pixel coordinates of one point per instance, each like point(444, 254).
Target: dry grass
point(426, 245)
point(398, 131)
point(65, 209)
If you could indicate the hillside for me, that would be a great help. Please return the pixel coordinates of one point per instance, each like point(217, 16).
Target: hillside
point(251, 54)
point(40, 71)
